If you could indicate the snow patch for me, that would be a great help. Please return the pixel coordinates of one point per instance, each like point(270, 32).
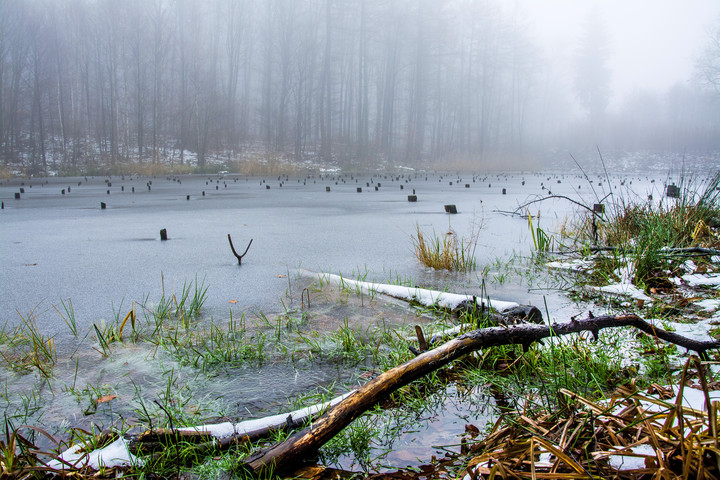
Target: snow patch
point(544, 460)
point(699, 280)
point(709, 305)
point(626, 273)
point(697, 330)
point(689, 266)
point(627, 289)
point(573, 265)
point(632, 458)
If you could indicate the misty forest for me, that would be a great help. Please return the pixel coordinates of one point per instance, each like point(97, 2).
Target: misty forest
point(88, 85)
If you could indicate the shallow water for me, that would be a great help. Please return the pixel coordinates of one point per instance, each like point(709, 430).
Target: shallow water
point(57, 246)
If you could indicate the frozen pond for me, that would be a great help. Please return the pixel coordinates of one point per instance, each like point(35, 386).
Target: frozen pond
point(61, 247)
point(58, 246)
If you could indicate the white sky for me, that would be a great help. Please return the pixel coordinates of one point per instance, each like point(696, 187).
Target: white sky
point(653, 43)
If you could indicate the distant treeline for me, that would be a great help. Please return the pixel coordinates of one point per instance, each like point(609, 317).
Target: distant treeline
point(90, 82)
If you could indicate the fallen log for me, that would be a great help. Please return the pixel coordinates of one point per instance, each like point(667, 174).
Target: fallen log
point(422, 296)
point(125, 451)
point(304, 444)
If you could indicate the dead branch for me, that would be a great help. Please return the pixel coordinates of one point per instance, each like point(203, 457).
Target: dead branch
point(667, 252)
point(239, 257)
point(303, 444)
point(563, 197)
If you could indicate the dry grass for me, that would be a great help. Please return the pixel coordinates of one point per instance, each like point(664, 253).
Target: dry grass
point(150, 169)
point(670, 440)
point(445, 252)
point(5, 172)
point(265, 165)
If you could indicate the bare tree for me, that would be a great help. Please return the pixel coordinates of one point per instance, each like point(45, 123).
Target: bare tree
point(97, 82)
point(592, 76)
point(708, 64)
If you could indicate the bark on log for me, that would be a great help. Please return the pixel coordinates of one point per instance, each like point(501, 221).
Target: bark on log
point(304, 444)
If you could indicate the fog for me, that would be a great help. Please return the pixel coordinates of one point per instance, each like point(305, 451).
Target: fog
point(653, 45)
point(91, 85)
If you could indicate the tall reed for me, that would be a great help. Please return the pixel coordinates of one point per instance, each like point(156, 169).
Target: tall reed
point(445, 252)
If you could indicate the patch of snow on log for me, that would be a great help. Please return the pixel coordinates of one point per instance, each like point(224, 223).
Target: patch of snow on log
point(422, 296)
point(249, 427)
point(116, 454)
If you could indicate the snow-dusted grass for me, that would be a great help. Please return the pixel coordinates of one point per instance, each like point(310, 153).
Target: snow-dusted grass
point(644, 235)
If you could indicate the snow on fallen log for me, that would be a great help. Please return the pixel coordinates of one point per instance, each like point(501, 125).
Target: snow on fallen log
point(428, 298)
point(118, 453)
point(260, 427)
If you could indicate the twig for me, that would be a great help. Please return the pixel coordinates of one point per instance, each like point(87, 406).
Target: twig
point(520, 207)
point(586, 177)
point(239, 257)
